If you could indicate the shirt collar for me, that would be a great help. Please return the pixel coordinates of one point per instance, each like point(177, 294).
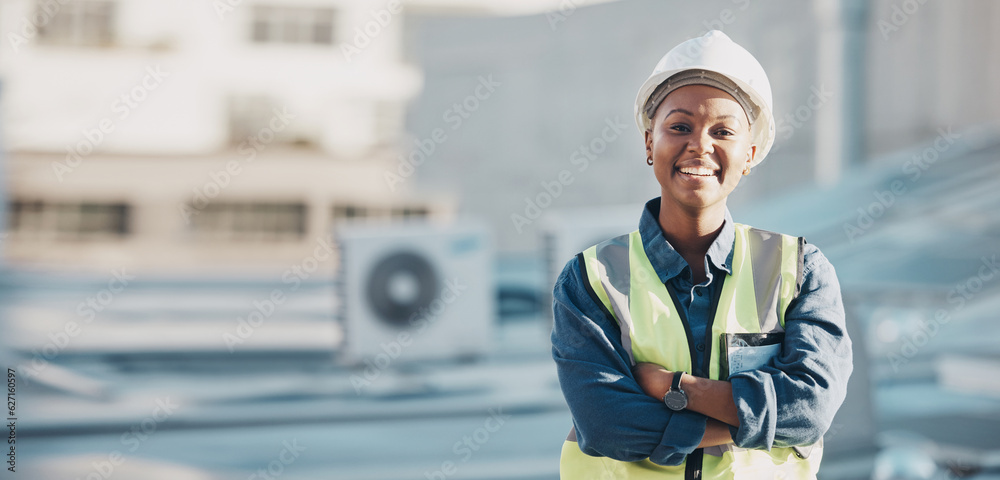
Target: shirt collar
point(667, 262)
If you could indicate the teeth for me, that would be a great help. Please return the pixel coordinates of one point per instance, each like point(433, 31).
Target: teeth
point(700, 171)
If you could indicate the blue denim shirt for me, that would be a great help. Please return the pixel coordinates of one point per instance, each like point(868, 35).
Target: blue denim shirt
point(615, 418)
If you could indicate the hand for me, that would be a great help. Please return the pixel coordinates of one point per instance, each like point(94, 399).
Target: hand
point(654, 379)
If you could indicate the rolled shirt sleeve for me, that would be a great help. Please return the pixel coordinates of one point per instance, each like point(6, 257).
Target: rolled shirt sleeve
point(612, 415)
point(792, 400)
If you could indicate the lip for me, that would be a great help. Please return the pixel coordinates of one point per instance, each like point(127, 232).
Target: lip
point(696, 170)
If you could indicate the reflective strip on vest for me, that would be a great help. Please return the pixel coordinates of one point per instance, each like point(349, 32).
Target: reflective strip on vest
point(766, 277)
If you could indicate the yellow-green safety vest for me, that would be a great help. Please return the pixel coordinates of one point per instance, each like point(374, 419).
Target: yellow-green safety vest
point(766, 276)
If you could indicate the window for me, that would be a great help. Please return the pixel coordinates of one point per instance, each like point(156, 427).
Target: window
point(358, 212)
point(292, 25)
point(68, 221)
point(250, 221)
point(410, 212)
point(349, 212)
point(88, 23)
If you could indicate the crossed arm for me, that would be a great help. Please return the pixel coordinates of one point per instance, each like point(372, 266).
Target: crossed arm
point(712, 398)
point(618, 410)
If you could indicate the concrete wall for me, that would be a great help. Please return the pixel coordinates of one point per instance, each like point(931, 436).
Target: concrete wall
point(563, 77)
point(931, 65)
point(847, 89)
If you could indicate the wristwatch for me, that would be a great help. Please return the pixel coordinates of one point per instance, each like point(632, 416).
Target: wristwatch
point(675, 398)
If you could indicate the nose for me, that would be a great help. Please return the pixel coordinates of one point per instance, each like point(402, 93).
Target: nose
point(701, 143)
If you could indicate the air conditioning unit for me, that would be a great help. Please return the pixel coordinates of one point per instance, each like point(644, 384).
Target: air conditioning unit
point(416, 291)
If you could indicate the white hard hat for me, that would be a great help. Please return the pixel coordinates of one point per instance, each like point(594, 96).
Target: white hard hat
point(715, 60)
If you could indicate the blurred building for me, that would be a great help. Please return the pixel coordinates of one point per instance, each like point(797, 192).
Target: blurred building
point(852, 80)
point(174, 135)
point(220, 136)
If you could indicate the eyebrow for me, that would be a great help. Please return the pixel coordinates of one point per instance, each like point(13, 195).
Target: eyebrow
point(681, 110)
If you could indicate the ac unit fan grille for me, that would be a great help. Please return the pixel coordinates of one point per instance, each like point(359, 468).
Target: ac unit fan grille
point(395, 309)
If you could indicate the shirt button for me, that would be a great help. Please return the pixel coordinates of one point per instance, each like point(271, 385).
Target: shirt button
point(700, 347)
point(697, 291)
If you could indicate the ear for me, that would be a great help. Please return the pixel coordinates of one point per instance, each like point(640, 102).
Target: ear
point(649, 143)
point(751, 154)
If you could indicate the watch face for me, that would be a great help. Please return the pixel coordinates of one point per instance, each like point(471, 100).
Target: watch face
point(675, 400)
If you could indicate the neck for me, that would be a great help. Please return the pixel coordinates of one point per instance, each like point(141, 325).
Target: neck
point(691, 232)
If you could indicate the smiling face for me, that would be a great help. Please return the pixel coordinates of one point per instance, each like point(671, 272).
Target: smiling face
point(700, 145)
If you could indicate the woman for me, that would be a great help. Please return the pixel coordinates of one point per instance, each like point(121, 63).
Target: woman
point(695, 346)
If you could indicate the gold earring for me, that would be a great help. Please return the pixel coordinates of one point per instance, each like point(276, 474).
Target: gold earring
point(649, 161)
point(746, 171)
